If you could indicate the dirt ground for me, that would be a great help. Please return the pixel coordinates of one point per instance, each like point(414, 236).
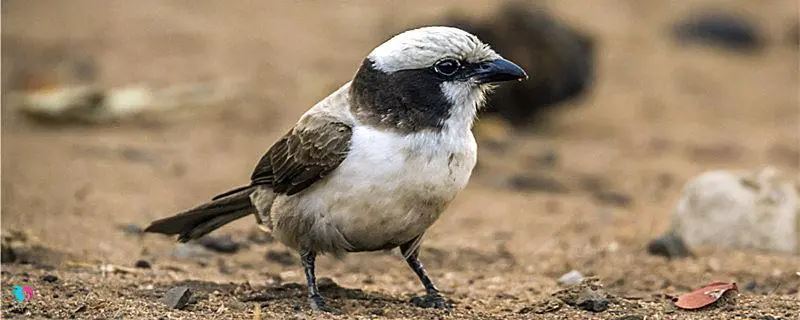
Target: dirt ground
point(658, 114)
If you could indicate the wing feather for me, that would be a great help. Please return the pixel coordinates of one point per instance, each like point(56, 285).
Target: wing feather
point(303, 156)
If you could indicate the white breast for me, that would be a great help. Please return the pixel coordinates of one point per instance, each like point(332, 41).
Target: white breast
point(392, 187)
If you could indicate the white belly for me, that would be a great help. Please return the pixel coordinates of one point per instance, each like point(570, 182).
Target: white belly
point(388, 190)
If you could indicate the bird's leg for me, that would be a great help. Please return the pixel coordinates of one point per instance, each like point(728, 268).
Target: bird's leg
point(314, 298)
point(432, 297)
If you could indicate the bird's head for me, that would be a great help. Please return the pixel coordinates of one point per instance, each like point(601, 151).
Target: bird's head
point(427, 78)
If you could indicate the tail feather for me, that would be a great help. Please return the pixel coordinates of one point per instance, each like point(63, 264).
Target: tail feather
point(197, 222)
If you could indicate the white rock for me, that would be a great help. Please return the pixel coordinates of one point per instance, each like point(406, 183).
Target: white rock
point(730, 209)
point(570, 278)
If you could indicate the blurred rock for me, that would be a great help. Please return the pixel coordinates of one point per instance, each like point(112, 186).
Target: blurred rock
point(258, 236)
point(670, 246)
point(570, 278)
point(90, 104)
point(536, 183)
point(735, 209)
point(283, 257)
point(19, 246)
point(559, 59)
point(142, 264)
point(191, 251)
point(613, 198)
point(223, 244)
point(723, 30)
point(49, 278)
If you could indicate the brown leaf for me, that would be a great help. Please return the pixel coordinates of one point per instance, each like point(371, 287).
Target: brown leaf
point(704, 296)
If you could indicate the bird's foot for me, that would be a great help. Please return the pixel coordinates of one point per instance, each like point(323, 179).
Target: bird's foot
point(318, 305)
point(431, 300)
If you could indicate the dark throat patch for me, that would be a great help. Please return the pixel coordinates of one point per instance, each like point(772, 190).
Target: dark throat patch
point(405, 101)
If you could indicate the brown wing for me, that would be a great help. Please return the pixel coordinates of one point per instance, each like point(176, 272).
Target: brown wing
point(303, 156)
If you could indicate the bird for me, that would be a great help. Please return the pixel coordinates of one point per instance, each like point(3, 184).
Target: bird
point(373, 165)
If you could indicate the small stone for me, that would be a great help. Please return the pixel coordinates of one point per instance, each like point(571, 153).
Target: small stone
point(592, 300)
point(613, 198)
point(587, 295)
point(285, 258)
point(49, 278)
point(570, 278)
point(190, 251)
point(223, 244)
point(536, 183)
point(670, 246)
point(142, 264)
point(258, 236)
point(720, 29)
point(177, 297)
point(631, 317)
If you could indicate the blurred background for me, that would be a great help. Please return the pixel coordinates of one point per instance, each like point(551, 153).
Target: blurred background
point(115, 113)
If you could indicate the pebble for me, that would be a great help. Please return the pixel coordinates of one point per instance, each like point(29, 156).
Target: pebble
point(587, 295)
point(190, 251)
point(223, 244)
point(570, 278)
point(142, 264)
point(258, 236)
point(669, 245)
point(592, 300)
point(720, 29)
point(613, 198)
point(536, 183)
point(177, 297)
point(49, 278)
point(285, 258)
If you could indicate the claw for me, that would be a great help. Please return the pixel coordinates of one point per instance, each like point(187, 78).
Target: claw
point(318, 304)
point(435, 301)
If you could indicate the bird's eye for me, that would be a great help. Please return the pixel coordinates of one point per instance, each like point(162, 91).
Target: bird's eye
point(447, 67)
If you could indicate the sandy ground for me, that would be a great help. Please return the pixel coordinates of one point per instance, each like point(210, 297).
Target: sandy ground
point(658, 114)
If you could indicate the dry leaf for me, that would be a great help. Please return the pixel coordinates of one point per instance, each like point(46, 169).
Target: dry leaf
point(704, 296)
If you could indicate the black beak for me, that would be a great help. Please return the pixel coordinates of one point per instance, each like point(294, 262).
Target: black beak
point(497, 71)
